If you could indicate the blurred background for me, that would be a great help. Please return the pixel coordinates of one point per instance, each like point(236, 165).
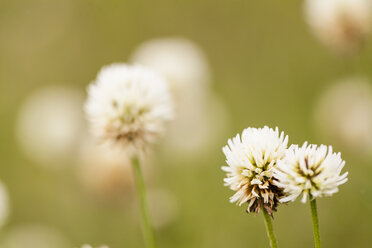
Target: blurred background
point(230, 64)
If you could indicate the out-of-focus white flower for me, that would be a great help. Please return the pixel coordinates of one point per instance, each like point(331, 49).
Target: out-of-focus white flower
point(33, 236)
point(105, 171)
point(49, 124)
point(251, 161)
point(313, 171)
point(88, 246)
point(4, 204)
point(129, 106)
point(163, 207)
point(185, 66)
point(340, 24)
point(185, 136)
point(343, 114)
point(179, 60)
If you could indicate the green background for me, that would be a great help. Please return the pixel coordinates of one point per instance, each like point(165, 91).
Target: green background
point(268, 69)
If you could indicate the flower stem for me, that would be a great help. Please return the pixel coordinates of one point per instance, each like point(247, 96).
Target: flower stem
point(148, 231)
point(314, 215)
point(270, 229)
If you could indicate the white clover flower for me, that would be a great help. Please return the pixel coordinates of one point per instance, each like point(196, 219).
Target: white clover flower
point(340, 24)
point(313, 171)
point(251, 160)
point(128, 105)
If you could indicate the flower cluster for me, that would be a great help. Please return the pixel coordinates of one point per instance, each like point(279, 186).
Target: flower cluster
point(128, 105)
point(263, 171)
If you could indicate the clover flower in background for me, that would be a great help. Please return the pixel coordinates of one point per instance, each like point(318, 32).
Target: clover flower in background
point(88, 246)
point(4, 205)
point(179, 60)
point(33, 235)
point(342, 25)
point(343, 115)
point(187, 138)
point(252, 158)
point(49, 125)
point(105, 172)
point(128, 106)
point(185, 66)
point(311, 170)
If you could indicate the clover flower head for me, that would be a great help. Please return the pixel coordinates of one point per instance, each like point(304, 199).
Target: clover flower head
point(251, 159)
point(311, 170)
point(128, 105)
point(340, 24)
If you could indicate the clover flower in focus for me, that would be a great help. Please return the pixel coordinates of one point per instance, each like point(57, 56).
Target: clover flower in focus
point(252, 158)
point(340, 24)
point(129, 106)
point(313, 171)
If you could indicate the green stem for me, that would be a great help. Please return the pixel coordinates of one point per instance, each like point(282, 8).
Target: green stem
point(270, 229)
point(314, 215)
point(148, 231)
